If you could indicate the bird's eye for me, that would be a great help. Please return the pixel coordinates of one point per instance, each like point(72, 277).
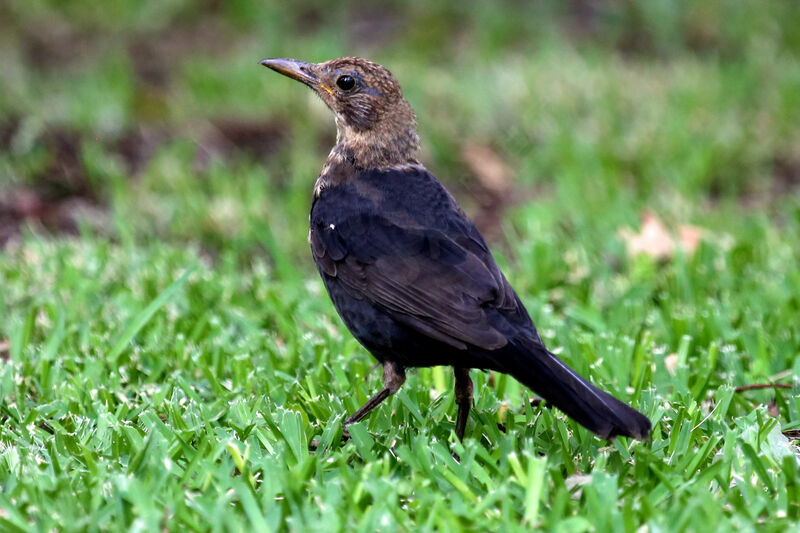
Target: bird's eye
point(346, 83)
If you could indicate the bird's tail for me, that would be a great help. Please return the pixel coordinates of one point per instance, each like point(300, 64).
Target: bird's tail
point(544, 373)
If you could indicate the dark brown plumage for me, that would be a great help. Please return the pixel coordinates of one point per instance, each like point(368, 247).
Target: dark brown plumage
point(408, 272)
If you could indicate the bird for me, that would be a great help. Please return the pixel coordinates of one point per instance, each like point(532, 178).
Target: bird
point(409, 273)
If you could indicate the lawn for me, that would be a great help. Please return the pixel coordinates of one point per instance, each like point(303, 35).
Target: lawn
point(168, 353)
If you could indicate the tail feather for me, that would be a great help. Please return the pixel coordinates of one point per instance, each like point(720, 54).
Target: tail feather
point(545, 374)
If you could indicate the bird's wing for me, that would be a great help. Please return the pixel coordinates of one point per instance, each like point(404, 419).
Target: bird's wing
point(438, 282)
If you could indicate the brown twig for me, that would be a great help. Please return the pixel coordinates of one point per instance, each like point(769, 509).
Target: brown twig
point(757, 386)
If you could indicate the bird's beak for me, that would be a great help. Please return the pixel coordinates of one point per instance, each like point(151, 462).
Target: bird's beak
point(297, 70)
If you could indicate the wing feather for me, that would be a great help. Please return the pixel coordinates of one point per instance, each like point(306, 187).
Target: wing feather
point(422, 277)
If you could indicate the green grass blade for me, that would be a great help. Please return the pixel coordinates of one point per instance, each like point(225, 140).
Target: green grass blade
point(146, 314)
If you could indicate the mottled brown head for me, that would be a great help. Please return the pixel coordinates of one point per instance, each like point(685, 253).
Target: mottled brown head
point(376, 125)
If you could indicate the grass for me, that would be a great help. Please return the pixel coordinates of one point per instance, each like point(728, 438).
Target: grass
point(166, 362)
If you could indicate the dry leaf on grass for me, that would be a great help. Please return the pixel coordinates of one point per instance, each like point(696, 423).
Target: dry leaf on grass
point(671, 362)
point(495, 182)
point(657, 241)
point(489, 168)
point(689, 237)
point(502, 411)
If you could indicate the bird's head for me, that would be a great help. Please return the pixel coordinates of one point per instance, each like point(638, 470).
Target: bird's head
point(374, 121)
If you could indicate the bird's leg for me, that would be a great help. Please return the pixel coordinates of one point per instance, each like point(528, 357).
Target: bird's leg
point(463, 392)
point(394, 376)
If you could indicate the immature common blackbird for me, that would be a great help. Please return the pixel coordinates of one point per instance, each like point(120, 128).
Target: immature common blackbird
point(408, 272)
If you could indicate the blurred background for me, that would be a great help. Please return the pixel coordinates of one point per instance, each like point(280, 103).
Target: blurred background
point(634, 165)
point(140, 119)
